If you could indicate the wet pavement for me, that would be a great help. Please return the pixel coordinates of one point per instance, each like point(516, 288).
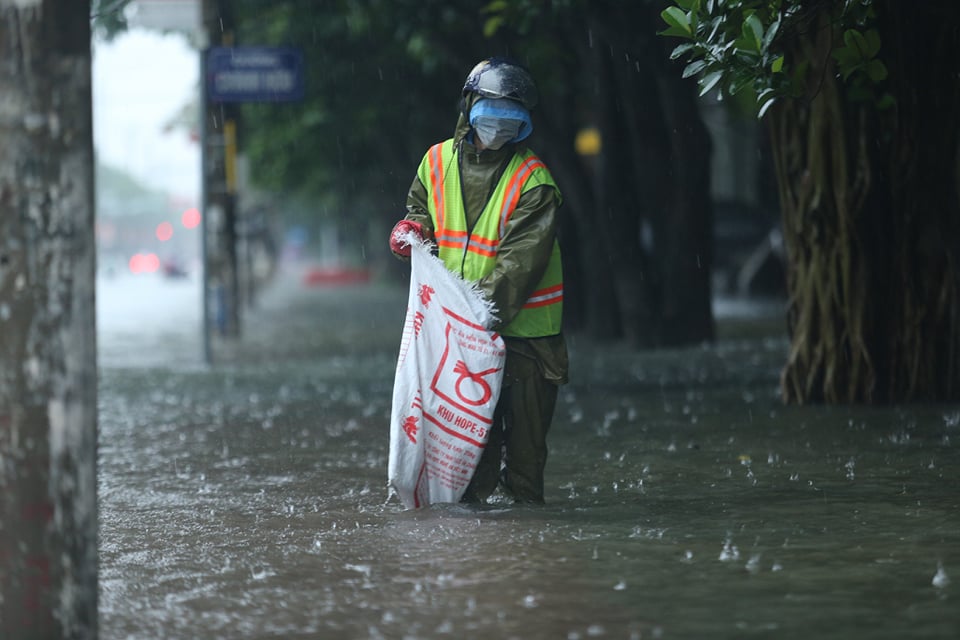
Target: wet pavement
point(248, 499)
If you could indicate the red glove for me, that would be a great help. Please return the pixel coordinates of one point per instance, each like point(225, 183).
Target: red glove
point(398, 241)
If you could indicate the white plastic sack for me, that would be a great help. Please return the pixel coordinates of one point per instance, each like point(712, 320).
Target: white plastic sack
point(446, 387)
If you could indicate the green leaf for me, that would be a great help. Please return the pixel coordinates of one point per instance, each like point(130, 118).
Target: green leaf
point(845, 57)
point(771, 34)
point(753, 31)
point(491, 26)
point(694, 68)
point(777, 65)
point(740, 82)
point(743, 43)
point(681, 49)
point(686, 5)
point(766, 107)
point(876, 71)
point(748, 58)
point(717, 24)
point(709, 81)
point(675, 17)
point(675, 31)
point(856, 42)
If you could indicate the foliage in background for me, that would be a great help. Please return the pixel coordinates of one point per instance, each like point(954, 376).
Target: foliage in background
point(383, 84)
point(737, 46)
point(383, 81)
point(107, 17)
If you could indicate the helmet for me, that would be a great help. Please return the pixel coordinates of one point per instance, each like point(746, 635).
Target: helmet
point(502, 78)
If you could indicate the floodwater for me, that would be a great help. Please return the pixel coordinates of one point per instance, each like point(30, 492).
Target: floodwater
point(248, 500)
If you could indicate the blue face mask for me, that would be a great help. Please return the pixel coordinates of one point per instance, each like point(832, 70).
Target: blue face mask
point(497, 121)
point(495, 132)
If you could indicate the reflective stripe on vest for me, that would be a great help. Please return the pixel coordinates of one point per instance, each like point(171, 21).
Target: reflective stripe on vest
point(473, 254)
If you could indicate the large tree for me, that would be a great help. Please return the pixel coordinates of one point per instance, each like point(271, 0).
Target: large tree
point(48, 511)
point(861, 98)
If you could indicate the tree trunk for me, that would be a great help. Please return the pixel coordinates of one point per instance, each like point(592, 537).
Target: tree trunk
point(590, 302)
point(870, 218)
point(654, 183)
point(921, 171)
point(687, 263)
point(48, 511)
point(619, 215)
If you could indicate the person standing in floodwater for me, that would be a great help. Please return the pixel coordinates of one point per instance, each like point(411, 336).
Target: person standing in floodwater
point(490, 204)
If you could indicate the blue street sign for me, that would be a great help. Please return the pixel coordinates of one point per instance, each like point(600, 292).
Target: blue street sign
point(254, 74)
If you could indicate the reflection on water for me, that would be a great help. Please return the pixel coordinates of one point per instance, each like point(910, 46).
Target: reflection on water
point(248, 501)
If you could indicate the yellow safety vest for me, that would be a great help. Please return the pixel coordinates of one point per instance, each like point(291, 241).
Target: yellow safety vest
point(472, 253)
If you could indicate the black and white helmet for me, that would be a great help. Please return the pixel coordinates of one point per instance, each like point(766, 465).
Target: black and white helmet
point(502, 78)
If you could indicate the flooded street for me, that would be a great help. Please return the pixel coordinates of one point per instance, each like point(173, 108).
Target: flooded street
point(248, 500)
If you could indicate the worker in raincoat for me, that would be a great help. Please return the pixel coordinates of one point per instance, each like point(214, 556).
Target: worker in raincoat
point(490, 205)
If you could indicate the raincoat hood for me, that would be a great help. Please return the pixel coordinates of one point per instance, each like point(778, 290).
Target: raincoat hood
point(463, 122)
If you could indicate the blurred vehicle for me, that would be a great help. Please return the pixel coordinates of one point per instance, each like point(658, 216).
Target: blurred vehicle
point(173, 268)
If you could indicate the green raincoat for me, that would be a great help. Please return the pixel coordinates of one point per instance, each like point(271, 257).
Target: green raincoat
point(536, 365)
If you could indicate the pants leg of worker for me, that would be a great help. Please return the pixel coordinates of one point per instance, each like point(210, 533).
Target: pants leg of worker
point(527, 415)
point(487, 474)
